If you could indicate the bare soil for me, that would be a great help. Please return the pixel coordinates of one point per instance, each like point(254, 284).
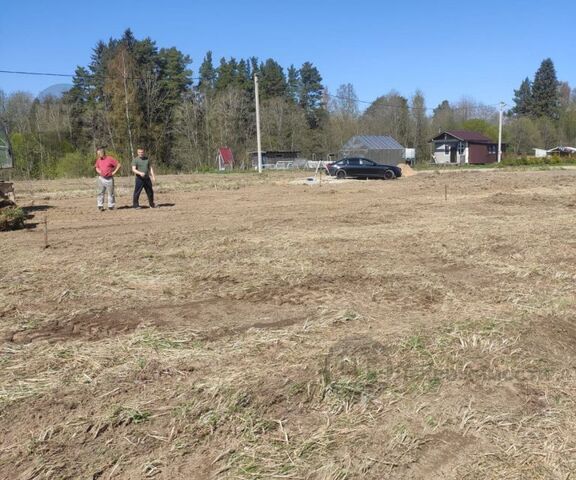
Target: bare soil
point(257, 327)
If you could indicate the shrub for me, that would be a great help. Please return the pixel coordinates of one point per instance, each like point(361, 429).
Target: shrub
point(74, 165)
point(11, 218)
point(524, 160)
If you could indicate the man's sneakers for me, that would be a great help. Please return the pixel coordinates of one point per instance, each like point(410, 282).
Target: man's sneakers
point(101, 209)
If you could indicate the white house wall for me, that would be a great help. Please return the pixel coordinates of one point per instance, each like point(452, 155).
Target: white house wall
point(540, 152)
point(440, 155)
point(443, 158)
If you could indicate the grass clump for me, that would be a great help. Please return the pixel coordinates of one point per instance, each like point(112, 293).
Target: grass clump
point(123, 415)
point(158, 342)
point(11, 218)
point(347, 390)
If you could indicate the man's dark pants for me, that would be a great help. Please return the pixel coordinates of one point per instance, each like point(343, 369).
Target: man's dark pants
point(146, 184)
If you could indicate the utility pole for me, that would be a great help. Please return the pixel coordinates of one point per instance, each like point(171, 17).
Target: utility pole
point(258, 124)
point(502, 105)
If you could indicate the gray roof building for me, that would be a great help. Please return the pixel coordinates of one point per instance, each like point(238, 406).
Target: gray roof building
point(380, 148)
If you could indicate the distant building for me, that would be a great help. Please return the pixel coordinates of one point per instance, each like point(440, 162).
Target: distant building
point(540, 152)
point(225, 158)
point(562, 151)
point(410, 156)
point(277, 159)
point(463, 147)
point(379, 148)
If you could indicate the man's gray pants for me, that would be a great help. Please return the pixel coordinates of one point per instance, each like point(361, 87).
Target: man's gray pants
point(103, 185)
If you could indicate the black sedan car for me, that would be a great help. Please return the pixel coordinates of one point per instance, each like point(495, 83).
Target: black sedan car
point(358, 167)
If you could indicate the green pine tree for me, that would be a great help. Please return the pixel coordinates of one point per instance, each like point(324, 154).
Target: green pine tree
point(311, 94)
point(245, 78)
point(272, 80)
point(207, 74)
point(293, 83)
point(523, 98)
point(226, 74)
point(545, 101)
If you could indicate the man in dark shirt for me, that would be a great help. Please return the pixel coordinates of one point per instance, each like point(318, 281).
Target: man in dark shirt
point(106, 167)
point(144, 178)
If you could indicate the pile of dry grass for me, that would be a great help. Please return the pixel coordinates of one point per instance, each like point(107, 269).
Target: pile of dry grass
point(11, 218)
point(407, 170)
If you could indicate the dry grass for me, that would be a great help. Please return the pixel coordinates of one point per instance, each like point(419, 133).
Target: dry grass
point(254, 328)
point(11, 218)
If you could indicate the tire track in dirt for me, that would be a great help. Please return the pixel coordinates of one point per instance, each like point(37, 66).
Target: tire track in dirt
point(207, 320)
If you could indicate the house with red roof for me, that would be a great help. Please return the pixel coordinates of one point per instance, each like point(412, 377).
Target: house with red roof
point(225, 158)
point(463, 147)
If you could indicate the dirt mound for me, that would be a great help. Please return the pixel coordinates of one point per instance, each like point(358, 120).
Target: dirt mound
point(407, 170)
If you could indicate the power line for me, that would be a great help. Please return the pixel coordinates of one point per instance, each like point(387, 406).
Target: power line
point(69, 75)
point(38, 73)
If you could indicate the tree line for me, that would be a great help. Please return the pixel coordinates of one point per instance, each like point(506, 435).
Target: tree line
point(543, 114)
point(134, 93)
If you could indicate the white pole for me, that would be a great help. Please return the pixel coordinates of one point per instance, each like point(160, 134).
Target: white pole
point(258, 124)
point(502, 104)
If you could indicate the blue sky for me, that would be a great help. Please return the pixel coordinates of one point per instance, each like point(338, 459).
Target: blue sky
point(447, 49)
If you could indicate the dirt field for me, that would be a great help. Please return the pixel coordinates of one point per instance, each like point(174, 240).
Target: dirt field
point(254, 328)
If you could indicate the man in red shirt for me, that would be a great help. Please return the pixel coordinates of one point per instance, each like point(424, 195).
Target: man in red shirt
point(106, 167)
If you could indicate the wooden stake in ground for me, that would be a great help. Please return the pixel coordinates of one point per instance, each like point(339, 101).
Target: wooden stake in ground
point(46, 231)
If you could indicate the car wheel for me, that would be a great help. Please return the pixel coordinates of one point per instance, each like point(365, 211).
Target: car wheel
point(389, 175)
point(340, 174)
